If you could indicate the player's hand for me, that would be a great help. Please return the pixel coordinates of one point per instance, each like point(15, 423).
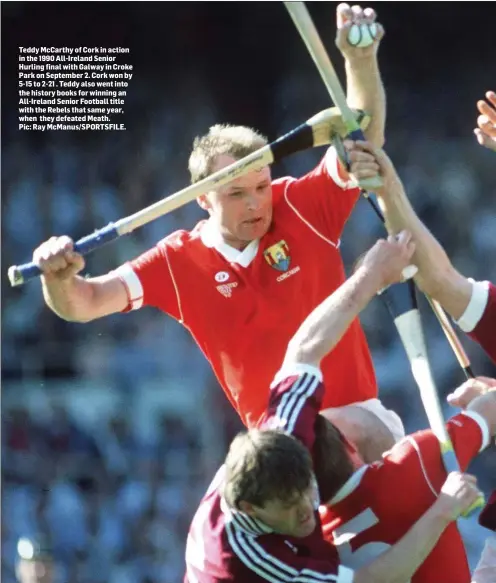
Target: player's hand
point(57, 259)
point(486, 130)
point(348, 17)
point(457, 495)
point(362, 163)
point(367, 160)
point(470, 390)
point(387, 259)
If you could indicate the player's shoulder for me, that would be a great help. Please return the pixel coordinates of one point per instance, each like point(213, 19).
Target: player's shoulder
point(413, 443)
point(279, 187)
point(183, 240)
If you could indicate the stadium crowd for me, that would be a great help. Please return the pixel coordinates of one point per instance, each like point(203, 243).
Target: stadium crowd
point(130, 482)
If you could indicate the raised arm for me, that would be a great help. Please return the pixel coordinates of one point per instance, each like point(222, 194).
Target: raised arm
point(436, 276)
point(71, 296)
point(363, 79)
point(325, 326)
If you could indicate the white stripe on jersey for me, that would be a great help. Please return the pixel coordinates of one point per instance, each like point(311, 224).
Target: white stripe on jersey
point(293, 401)
point(303, 220)
point(415, 446)
point(258, 560)
point(296, 369)
point(133, 285)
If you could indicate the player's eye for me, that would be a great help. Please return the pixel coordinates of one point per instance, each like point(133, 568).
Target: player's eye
point(236, 193)
point(263, 186)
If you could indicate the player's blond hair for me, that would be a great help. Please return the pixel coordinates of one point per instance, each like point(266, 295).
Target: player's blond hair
point(234, 141)
point(264, 466)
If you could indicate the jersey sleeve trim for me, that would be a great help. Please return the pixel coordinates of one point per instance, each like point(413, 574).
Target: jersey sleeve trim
point(476, 307)
point(132, 284)
point(482, 423)
point(332, 167)
point(296, 369)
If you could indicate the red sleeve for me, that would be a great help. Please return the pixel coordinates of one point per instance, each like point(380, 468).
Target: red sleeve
point(322, 198)
point(484, 331)
point(294, 402)
point(149, 281)
point(469, 434)
point(272, 558)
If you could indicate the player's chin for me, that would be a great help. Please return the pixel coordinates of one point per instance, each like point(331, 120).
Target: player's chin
point(255, 229)
point(306, 528)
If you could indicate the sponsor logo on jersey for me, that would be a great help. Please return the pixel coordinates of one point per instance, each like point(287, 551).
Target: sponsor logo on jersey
point(292, 547)
point(277, 256)
point(289, 273)
point(221, 276)
point(226, 288)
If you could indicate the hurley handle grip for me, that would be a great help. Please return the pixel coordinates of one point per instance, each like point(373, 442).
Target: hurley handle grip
point(451, 464)
point(20, 274)
point(366, 184)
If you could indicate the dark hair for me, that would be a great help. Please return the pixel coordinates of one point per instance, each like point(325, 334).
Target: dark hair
point(333, 465)
point(265, 465)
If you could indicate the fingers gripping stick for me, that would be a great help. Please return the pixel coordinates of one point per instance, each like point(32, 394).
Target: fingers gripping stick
point(401, 302)
point(305, 26)
point(311, 38)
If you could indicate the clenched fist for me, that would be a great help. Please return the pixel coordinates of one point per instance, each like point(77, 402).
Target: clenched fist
point(57, 259)
point(458, 494)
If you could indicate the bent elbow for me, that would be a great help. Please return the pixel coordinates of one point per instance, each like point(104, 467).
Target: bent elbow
point(72, 317)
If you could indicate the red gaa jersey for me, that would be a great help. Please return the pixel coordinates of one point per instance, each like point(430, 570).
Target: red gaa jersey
point(382, 501)
point(227, 545)
point(242, 308)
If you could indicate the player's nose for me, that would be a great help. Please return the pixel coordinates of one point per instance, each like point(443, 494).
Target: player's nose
point(252, 201)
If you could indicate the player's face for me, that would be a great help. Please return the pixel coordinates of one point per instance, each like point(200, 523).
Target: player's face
point(295, 518)
point(242, 209)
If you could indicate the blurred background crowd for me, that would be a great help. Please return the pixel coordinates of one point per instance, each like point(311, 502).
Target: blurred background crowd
point(112, 430)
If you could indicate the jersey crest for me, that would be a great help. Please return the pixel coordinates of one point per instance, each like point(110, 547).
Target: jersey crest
point(277, 256)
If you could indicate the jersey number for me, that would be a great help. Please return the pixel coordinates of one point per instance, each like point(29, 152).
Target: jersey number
point(365, 554)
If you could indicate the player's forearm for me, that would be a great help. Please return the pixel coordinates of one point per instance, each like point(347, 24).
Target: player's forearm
point(400, 562)
point(437, 276)
point(71, 299)
point(327, 324)
point(366, 91)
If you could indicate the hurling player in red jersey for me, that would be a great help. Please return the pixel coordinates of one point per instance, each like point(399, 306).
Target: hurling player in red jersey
point(372, 507)
point(471, 303)
point(258, 520)
point(243, 281)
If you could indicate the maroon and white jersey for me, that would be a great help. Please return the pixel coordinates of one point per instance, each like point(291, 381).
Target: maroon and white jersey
point(479, 319)
point(226, 545)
